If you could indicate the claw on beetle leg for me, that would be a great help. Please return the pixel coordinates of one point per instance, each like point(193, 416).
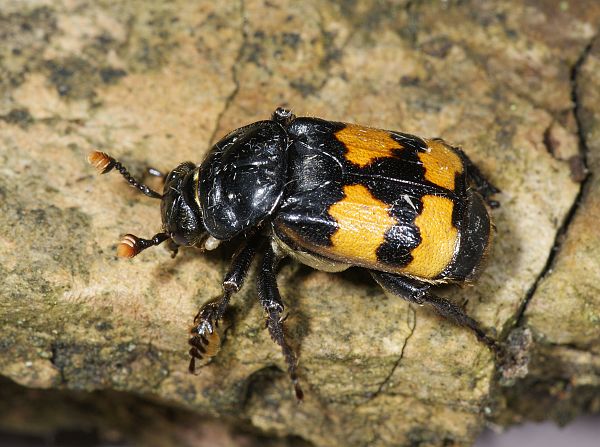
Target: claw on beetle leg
point(173, 248)
point(202, 352)
point(205, 337)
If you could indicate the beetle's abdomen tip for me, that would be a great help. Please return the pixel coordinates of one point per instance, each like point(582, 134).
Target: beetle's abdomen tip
point(101, 161)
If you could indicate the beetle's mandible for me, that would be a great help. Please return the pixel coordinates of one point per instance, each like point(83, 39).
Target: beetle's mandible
point(414, 212)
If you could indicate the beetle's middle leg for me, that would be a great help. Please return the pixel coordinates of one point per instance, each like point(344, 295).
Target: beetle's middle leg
point(207, 318)
point(270, 299)
point(418, 292)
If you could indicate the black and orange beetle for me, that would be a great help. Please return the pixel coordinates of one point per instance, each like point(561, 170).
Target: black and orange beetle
point(414, 212)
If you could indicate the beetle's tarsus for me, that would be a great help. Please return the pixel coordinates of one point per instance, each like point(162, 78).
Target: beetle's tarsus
point(454, 313)
point(205, 343)
point(173, 248)
point(270, 299)
point(209, 314)
point(416, 291)
point(298, 391)
point(192, 365)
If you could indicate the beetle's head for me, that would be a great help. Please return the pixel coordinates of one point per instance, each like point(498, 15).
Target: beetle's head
point(181, 215)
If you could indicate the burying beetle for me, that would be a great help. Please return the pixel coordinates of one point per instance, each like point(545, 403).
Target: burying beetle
point(414, 212)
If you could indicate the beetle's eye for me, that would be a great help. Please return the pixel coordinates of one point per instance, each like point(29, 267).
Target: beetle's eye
point(170, 177)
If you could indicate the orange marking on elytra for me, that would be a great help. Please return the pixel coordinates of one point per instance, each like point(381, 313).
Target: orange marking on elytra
point(362, 224)
point(439, 238)
point(365, 144)
point(441, 164)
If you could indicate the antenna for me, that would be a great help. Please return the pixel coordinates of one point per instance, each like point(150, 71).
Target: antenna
point(105, 163)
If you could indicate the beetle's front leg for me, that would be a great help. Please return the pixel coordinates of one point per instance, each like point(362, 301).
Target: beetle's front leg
point(204, 339)
point(418, 292)
point(270, 299)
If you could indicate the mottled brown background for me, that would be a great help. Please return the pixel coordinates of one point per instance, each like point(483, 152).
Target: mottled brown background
point(98, 344)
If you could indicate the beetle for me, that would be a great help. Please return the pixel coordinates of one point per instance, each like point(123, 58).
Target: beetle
point(414, 212)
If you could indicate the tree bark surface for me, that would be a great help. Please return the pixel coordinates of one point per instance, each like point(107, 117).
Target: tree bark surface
point(515, 84)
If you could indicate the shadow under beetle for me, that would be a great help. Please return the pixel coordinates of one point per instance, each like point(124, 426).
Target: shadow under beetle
point(414, 212)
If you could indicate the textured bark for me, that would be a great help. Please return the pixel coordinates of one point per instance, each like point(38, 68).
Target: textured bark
point(516, 84)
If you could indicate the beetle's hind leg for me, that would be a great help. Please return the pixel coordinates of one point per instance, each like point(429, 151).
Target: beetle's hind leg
point(204, 338)
point(418, 292)
point(481, 183)
point(270, 299)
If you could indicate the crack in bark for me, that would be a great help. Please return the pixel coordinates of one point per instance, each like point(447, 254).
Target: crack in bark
point(54, 361)
point(583, 150)
point(234, 75)
point(411, 317)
